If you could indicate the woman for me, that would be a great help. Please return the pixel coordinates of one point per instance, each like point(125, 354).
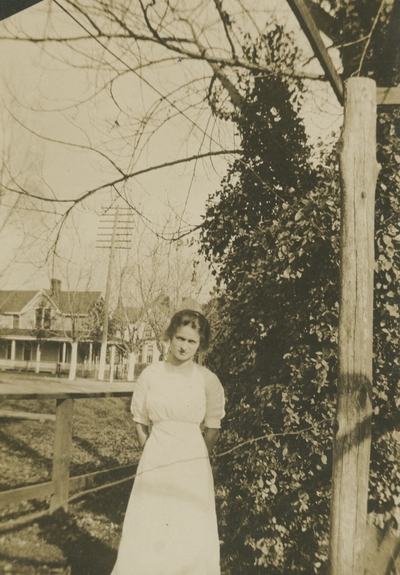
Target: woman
point(170, 526)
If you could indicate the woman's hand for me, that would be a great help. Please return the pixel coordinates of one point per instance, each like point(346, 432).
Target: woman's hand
point(211, 437)
point(142, 432)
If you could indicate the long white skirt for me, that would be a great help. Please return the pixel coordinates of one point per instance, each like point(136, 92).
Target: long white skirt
point(170, 526)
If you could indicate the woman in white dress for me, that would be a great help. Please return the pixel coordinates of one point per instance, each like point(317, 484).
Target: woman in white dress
point(170, 525)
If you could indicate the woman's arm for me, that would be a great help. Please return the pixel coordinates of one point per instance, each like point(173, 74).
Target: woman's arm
point(211, 437)
point(142, 432)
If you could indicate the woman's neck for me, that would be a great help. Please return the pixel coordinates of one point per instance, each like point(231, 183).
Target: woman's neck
point(172, 360)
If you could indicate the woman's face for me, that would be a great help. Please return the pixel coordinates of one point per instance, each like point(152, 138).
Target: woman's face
point(184, 344)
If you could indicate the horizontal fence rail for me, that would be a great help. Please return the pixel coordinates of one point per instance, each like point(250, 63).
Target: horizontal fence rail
point(62, 488)
point(77, 485)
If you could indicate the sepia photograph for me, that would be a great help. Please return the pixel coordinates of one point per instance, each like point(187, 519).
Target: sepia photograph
point(200, 287)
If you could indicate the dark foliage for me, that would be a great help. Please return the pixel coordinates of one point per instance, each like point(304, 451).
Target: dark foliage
point(271, 234)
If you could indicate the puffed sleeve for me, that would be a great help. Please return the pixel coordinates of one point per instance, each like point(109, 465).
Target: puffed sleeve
point(139, 399)
point(215, 401)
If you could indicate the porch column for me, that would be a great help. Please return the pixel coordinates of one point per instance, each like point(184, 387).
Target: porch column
point(38, 353)
point(13, 347)
point(64, 352)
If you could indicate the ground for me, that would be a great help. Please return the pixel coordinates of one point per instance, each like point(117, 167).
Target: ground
point(84, 540)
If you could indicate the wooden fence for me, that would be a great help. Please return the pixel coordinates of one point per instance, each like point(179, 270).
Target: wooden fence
point(62, 486)
point(382, 547)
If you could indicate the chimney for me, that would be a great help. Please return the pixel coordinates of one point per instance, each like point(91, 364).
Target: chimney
point(55, 287)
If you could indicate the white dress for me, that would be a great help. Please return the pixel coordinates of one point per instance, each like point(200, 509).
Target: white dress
point(170, 525)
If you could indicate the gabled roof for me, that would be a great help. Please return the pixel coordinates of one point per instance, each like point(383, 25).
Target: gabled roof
point(14, 301)
point(74, 302)
point(127, 314)
point(133, 313)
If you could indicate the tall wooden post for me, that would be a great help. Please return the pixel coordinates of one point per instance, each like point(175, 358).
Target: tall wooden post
point(352, 441)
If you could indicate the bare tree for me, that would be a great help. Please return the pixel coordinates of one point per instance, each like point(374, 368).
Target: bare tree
point(23, 218)
point(152, 69)
point(80, 309)
point(153, 280)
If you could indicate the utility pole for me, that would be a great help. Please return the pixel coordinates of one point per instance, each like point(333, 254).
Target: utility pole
point(117, 239)
point(103, 352)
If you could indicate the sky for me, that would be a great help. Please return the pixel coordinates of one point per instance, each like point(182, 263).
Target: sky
point(48, 91)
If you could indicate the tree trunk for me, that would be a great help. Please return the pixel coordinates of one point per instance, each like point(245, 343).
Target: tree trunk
point(90, 360)
point(131, 366)
point(74, 360)
point(352, 440)
point(112, 361)
point(102, 364)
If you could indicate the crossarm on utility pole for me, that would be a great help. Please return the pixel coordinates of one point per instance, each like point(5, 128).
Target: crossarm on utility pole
point(103, 351)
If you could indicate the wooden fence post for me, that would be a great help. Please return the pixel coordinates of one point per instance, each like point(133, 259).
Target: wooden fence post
point(352, 440)
point(62, 454)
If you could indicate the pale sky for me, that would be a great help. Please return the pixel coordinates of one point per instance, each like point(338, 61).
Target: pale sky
point(47, 85)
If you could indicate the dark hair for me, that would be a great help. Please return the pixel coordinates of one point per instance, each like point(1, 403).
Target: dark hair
point(193, 319)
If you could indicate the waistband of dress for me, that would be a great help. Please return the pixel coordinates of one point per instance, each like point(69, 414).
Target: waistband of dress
point(172, 423)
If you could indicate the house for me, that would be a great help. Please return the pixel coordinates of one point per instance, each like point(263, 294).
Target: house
point(147, 351)
point(138, 333)
point(38, 328)
point(134, 338)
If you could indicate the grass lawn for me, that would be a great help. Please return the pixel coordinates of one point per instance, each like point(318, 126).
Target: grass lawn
point(84, 541)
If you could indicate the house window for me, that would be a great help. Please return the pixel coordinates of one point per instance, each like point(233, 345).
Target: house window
point(27, 352)
point(150, 355)
point(15, 321)
point(148, 332)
